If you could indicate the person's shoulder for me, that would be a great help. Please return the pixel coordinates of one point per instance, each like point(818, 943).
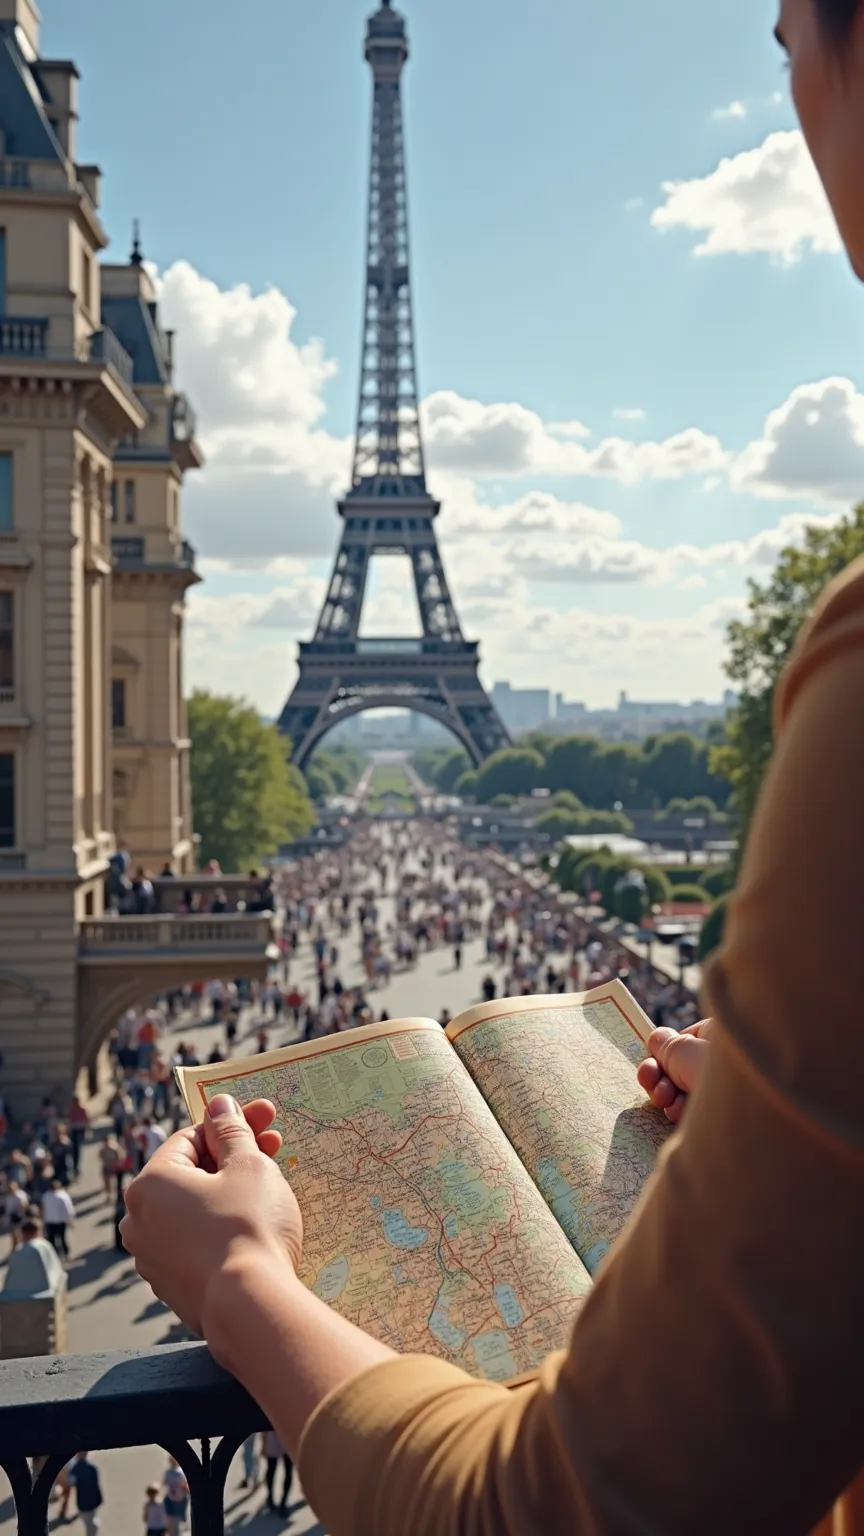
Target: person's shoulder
point(835, 625)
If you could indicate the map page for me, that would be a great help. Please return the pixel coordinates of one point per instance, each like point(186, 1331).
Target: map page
point(559, 1074)
point(421, 1225)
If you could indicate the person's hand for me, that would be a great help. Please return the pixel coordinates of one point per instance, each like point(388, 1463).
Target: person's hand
point(210, 1201)
point(671, 1072)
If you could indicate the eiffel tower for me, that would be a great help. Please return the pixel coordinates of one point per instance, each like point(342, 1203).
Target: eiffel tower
point(388, 510)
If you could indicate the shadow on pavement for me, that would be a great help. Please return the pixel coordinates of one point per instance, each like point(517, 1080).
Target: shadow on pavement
point(91, 1266)
point(154, 1308)
point(260, 1520)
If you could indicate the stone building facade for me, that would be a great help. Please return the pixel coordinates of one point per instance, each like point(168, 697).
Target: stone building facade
point(94, 443)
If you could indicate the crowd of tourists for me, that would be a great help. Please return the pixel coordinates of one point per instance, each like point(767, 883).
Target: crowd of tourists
point(354, 917)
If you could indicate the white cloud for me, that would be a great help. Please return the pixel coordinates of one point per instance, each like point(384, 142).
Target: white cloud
point(767, 199)
point(508, 439)
point(628, 413)
point(812, 446)
point(735, 110)
point(272, 472)
point(264, 504)
point(593, 656)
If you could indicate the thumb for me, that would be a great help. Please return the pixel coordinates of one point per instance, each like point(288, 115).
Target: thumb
point(684, 1059)
point(226, 1132)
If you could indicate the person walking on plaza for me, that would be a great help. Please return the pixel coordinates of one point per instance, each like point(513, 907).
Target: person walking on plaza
point(250, 1462)
point(155, 1518)
point(63, 1155)
point(78, 1121)
point(152, 1137)
point(58, 1214)
point(15, 1207)
point(176, 1496)
point(274, 1452)
point(83, 1475)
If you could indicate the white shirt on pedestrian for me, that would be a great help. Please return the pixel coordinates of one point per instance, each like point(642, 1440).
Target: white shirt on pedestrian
point(57, 1208)
point(153, 1138)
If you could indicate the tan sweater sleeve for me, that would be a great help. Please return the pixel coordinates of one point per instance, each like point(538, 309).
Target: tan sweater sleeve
point(715, 1379)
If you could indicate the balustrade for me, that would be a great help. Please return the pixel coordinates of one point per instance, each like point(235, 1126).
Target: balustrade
point(169, 1396)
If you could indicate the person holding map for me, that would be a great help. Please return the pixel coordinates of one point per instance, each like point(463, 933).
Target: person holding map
point(713, 1382)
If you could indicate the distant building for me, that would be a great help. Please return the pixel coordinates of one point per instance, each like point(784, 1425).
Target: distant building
point(523, 709)
point(569, 713)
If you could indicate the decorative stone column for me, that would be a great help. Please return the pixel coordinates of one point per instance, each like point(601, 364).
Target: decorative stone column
point(33, 1303)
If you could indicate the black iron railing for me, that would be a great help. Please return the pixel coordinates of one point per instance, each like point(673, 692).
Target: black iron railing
point(22, 336)
point(183, 419)
point(128, 551)
point(105, 348)
point(52, 1407)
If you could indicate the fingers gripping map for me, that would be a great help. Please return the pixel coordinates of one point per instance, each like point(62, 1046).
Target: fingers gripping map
point(421, 1225)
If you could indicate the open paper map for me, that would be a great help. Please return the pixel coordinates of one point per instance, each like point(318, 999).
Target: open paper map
point(438, 1221)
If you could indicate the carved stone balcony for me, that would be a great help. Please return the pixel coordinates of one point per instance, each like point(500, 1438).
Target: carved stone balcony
point(125, 962)
point(197, 940)
point(54, 1406)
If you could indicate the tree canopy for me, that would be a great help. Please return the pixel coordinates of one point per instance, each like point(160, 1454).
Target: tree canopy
point(512, 771)
point(247, 797)
point(760, 645)
point(582, 771)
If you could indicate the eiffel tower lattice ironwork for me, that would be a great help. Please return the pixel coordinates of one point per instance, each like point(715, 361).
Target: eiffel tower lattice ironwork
point(388, 509)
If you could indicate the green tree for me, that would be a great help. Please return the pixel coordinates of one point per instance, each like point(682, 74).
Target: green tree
point(677, 767)
point(320, 781)
point(760, 645)
point(247, 798)
point(512, 771)
point(565, 800)
point(538, 741)
point(450, 769)
point(690, 895)
point(466, 785)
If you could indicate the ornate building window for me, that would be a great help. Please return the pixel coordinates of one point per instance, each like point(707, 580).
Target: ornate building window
point(7, 642)
point(7, 800)
point(118, 703)
point(7, 521)
point(129, 501)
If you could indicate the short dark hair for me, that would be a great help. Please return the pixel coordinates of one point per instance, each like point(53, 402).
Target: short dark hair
point(838, 18)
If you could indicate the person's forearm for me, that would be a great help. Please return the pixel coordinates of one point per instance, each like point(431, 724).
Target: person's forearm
point(287, 1348)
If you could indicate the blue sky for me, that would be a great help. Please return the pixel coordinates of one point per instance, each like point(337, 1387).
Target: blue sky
point(557, 280)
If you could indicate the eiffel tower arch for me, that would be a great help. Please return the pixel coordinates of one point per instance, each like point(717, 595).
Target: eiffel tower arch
point(388, 510)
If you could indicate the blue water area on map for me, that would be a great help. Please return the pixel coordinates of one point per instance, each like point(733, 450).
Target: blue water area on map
point(400, 1274)
point(332, 1280)
point(593, 1258)
point(375, 1202)
point(493, 1355)
point(508, 1305)
point(561, 1197)
point(400, 1234)
point(442, 1329)
point(451, 1226)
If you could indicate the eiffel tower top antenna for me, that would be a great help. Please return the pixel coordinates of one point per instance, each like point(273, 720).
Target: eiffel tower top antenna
point(388, 451)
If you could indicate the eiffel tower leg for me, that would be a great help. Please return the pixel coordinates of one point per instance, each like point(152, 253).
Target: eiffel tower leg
point(437, 612)
point(475, 714)
point(303, 716)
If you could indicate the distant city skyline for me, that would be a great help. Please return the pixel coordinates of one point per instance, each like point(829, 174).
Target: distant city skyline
point(614, 460)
